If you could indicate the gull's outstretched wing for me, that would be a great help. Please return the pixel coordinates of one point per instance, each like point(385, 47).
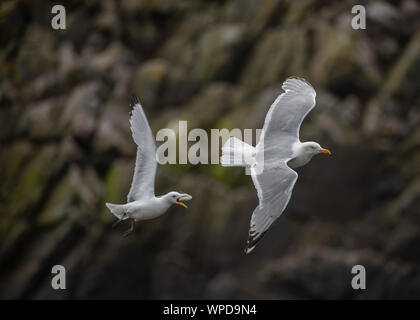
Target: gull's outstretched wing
point(143, 184)
point(274, 186)
point(283, 119)
point(274, 179)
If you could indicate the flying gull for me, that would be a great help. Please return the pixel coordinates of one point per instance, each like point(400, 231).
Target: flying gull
point(277, 152)
point(142, 204)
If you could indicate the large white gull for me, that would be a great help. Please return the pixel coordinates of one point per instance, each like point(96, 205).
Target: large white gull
point(142, 204)
point(277, 152)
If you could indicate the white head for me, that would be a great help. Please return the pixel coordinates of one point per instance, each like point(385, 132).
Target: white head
point(313, 148)
point(176, 198)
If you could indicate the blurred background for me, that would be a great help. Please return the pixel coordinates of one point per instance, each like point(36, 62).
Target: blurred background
point(66, 148)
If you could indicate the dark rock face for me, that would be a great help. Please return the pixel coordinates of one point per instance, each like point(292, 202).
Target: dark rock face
point(66, 148)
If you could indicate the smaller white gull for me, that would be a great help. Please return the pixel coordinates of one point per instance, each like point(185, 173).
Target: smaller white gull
point(142, 204)
point(278, 151)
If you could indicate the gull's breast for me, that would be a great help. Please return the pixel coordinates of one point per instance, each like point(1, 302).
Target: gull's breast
point(299, 158)
point(299, 161)
point(146, 209)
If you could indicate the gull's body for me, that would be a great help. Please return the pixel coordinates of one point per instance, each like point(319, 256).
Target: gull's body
point(146, 209)
point(142, 204)
point(278, 151)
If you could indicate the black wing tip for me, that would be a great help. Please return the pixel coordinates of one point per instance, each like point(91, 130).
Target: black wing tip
point(133, 101)
point(248, 249)
point(253, 240)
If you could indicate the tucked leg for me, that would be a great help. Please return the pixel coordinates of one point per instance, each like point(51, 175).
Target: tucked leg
point(129, 231)
point(119, 220)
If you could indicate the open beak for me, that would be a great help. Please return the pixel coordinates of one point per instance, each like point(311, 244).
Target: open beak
point(184, 197)
point(326, 151)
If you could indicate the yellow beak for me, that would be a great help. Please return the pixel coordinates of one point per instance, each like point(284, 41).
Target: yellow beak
point(326, 151)
point(181, 203)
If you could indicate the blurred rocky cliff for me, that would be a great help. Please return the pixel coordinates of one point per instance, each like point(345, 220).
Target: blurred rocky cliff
point(66, 147)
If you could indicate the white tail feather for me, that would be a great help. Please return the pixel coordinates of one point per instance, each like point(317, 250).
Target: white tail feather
point(236, 153)
point(116, 209)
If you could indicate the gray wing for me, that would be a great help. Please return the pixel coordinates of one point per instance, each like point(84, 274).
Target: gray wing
point(272, 177)
point(143, 184)
point(283, 120)
point(274, 186)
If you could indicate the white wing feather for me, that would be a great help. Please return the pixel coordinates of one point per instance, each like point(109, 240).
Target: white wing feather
point(281, 130)
point(274, 187)
point(143, 184)
point(284, 118)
